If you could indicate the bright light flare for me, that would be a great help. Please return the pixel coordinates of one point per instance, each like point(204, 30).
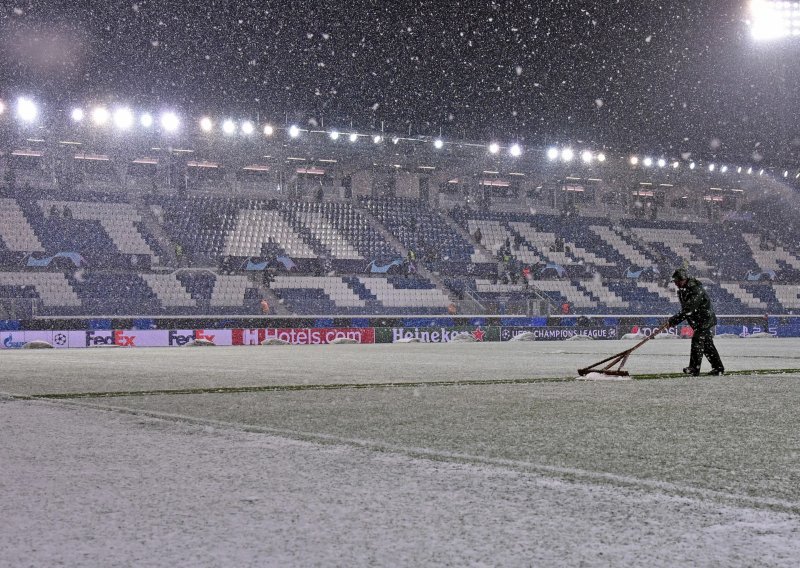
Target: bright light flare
point(377, 139)
point(294, 131)
point(100, 116)
point(170, 122)
point(247, 128)
point(354, 137)
point(662, 162)
point(2, 107)
point(772, 20)
point(228, 127)
point(494, 148)
point(27, 111)
point(587, 157)
point(77, 115)
point(146, 120)
point(634, 160)
point(123, 118)
point(515, 150)
point(601, 157)
point(552, 154)
point(206, 124)
point(438, 144)
point(334, 135)
point(648, 162)
point(268, 130)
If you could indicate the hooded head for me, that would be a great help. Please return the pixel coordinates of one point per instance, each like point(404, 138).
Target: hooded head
point(680, 277)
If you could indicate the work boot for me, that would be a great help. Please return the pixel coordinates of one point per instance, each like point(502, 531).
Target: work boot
point(715, 372)
point(691, 371)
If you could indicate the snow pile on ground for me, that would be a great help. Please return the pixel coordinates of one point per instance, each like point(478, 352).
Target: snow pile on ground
point(38, 344)
point(409, 340)
point(761, 335)
point(524, 336)
point(463, 337)
point(633, 336)
point(664, 335)
point(274, 341)
point(580, 338)
point(344, 341)
point(596, 376)
point(105, 346)
point(201, 343)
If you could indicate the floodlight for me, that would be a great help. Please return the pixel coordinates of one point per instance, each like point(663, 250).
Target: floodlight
point(438, 144)
point(586, 156)
point(377, 139)
point(676, 164)
point(567, 154)
point(205, 124)
point(711, 167)
point(723, 169)
point(2, 107)
point(334, 135)
point(170, 121)
point(268, 130)
point(786, 173)
point(761, 173)
point(691, 166)
point(515, 150)
point(247, 127)
point(77, 114)
point(100, 116)
point(228, 127)
point(739, 170)
point(552, 153)
point(648, 161)
point(395, 140)
point(771, 20)
point(27, 111)
point(294, 131)
point(749, 171)
point(662, 162)
point(146, 120)
point(353, 137)
point(494, 148)
point(123, 118)
point(601, 157)
point(634, 160)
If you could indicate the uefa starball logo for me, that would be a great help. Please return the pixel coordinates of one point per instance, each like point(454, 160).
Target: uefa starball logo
point(60, 339)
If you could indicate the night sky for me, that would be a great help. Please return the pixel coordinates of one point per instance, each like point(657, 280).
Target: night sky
point(634, 76)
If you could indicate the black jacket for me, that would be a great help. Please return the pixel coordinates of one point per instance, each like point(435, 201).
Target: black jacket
point(696, 306)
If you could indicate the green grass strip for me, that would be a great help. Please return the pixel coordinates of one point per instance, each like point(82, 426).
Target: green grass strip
point(340, 386)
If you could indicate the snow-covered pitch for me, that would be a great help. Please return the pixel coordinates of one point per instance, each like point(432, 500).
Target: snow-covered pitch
point(399, 455)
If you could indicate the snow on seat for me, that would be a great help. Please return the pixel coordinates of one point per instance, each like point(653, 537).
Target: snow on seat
point(334, 287)
point(542, 240)
point(393, 297)
point(256, 227)
point(788, 295)
point(329, 236)
point(493, 237)
point(52, 287)
point(573, 295)
point(614, 240)
point(676, 240)
point(15, 231)
point(229, 290)
point(169, 290)
point(768, 259)
point(744, 296)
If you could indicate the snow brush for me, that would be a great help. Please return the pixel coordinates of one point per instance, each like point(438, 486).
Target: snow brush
point(618, 359)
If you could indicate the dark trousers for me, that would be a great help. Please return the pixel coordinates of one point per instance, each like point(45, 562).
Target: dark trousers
point(703, 344)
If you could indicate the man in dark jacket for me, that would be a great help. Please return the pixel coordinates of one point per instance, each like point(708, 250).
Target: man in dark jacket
point(697, 310)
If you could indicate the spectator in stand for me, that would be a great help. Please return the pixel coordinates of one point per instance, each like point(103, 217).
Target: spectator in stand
point(67, 212)
point(54, 212)
point(517, 241)
point(478, 235)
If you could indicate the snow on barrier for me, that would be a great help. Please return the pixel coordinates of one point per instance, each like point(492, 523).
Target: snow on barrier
point(603, 377)
point(524, 336)
point(201, 342)
point(37, 345)
point(665, 335)
point(409, 340)
point(463, 337)
point(274, 341)
point(761, 335)
point(580, 338)
point(633, 336)
point(344, 341)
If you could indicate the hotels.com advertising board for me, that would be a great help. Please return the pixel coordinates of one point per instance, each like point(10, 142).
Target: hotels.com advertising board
point(181, 337)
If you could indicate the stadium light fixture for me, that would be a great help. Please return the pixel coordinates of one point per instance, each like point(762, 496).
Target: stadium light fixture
point(691, 165)
point(494, 148)
point(601, 157)
point(170, 121)
point(786, 173)
point(294, 131)
point(438, 144)
point(662, 162)
point(711, 167)
point(774, 19)
point(334, 134)
point(516, 150)
point(648, 161)
point(228, 127)
point(749, 171)
point(377, 139)
point(761, 173)
point(676, 164)
point(268, 130)
point(739, 170)
point(247, 128)
point(27, 111)
point(100, 116)
point(146, 120)
point(395, 140)
point(552, 153)
point(567, 154)
point(2, 107)
point(353, 137)
point(206, 125)
point(634, 160)
point(123, 118)
point(77, 115)
point(723, 169)
point(587, 157)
